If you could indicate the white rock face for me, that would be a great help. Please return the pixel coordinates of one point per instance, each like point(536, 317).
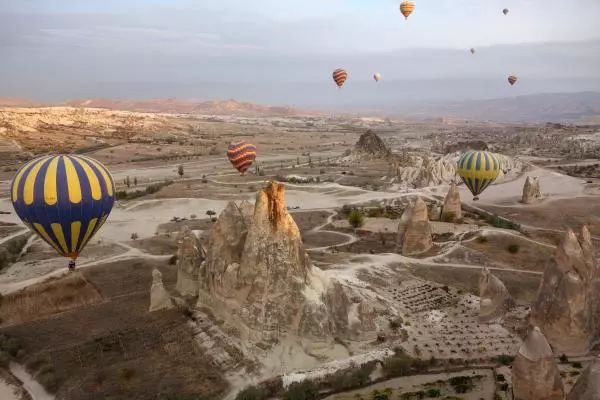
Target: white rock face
point(259, 277)
point(495, 300)
point(535, 375)
point(159, 297)
point(567, 306)
point(190, 260)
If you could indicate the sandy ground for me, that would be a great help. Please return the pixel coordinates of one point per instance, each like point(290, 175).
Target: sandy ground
point(7, 392)
point(35, 390)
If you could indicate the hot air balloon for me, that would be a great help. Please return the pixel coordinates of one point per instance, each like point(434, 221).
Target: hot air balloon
point(472, 50)
point(505, 11)
point(512, 79)
point(241, 155)
point(377, 77)
point(339, 77)
point(65, 199)
point(406, 8)
point(478, 169)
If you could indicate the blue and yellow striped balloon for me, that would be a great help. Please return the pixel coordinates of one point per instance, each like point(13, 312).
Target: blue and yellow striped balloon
point(65, 199)
point(478, 169)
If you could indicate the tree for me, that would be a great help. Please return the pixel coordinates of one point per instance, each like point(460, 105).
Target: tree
point(135, 181)
point(355, 218)
point(210, 214)
point(180, 171)
point(134, 236)
point(127, 181)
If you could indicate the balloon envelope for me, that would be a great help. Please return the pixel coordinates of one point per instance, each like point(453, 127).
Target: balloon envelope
point(505, 11)
point(339, 76)
point(478, 169)
point(241, 155)
point(406, 8)
point(472, 50)
point(512, 79)
point(377, 77)
point(65, 199)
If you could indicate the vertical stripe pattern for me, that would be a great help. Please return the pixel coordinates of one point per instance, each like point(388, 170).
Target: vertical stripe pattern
point(62, 198)
point(478, 170)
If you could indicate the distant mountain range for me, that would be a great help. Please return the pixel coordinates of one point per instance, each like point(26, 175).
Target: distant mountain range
point(545, 107)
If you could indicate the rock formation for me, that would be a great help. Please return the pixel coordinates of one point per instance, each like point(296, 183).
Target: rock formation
point(416, 237)
point(495, 300)
point(159, 297)
point(452, 211)
point(587, 386)
point(190, 259)
point(371, 145)
point(259, 278)
point(531, 190)
point(402, 225)
point(535, 375)
point(568, 300)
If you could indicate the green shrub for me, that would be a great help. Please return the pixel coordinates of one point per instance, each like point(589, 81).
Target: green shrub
point(482, 239)
point(252, 393)
point(505, 359)
point(302, 391)
point(513, 248)
point(433, 393)
point(577, 365)
point(355, 219)
point(462, 384)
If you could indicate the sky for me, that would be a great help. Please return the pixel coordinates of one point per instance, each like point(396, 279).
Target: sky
point(283, 51)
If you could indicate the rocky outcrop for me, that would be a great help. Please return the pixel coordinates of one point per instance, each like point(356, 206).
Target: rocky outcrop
point(159, 297)
point(531, 190)
point(587, 386)
point(567, 304)
point(371, 146)
point(402, 225)
point(452, 211)
point(190, 260)
point(416, 238)
point(495, 300)
point(535, 375)
point(259, 277)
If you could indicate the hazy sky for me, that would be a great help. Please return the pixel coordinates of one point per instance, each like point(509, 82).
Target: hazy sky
point(56, 49)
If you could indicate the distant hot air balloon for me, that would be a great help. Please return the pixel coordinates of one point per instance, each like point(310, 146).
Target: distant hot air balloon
point(478, 169)
point(241, 155)
point(65, 199)
point(512, 79)
point(339, 76)
point(406, 8)
point(505, 11)
point(377, 77)
point(472, 50)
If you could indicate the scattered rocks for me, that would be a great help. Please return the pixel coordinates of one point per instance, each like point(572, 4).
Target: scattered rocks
point(159, 297)
point(535, 375)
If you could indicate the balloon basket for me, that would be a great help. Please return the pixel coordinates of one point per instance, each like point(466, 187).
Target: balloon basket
point(475, 198)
